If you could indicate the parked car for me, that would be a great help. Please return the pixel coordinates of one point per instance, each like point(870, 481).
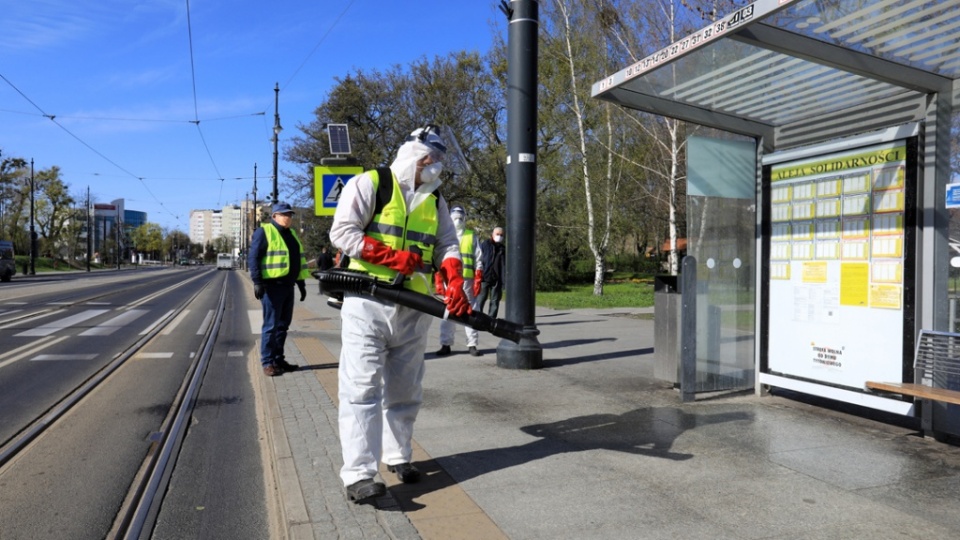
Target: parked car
point(8, 265)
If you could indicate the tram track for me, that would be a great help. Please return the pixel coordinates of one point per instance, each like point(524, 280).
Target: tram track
point(145, 493)
point(10, 448)
point(142, 504)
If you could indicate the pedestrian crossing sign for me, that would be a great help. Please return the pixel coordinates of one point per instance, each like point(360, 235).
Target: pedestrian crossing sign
point(328, 183)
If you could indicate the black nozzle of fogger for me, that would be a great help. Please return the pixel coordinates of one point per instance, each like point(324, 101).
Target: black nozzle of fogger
point(498, 327)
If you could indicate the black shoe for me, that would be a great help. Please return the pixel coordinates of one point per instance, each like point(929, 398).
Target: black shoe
point(285, 366)
point(444, 351)
point(365, 489)
point(475, 352)
point(407, 473)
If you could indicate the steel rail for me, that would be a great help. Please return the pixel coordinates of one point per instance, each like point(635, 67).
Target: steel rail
point(146, 495)
point(21, 439)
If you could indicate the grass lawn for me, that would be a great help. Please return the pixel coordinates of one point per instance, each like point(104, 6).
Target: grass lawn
point(635, 292)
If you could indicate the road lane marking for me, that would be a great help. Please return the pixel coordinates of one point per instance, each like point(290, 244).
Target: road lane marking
point(109, 327)
point(154, 355)
point(169, 329)
point(31, 318)
point(48, 357)
point(205, 324)
point(28, 349)
point(48, 329)
point(235, 353)
point(150, 328)
point(256, 320)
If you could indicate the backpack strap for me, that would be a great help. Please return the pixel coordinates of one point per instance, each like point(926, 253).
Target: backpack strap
point(384, 189)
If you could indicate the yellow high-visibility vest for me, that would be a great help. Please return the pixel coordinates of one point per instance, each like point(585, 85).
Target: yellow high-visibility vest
point(466, 253)
point(392, 225)
point(276, 263)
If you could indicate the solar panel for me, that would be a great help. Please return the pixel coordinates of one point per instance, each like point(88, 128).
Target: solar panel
point(339, 139)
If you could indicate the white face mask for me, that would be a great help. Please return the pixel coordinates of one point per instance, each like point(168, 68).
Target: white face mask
point(430, 173)
point(497, 238)
point(458, 222)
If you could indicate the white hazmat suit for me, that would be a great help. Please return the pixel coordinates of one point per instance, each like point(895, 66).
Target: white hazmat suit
point(448, 328)
point(381, 359)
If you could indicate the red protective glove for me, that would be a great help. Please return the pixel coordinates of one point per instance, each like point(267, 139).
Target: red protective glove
point(454, 297)
point(376, 252)
point(438, 282)
point(477, 279)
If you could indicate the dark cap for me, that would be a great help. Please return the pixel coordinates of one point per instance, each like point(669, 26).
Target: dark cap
point(283, 208)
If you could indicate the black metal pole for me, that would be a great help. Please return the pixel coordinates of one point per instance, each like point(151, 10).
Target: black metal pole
point(256, 211)
point(276, 136)
point(33, 230)
point(89, 231)
point(521, 184)
point(117, 224)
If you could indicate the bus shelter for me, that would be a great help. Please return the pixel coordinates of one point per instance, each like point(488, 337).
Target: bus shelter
point(820, 222)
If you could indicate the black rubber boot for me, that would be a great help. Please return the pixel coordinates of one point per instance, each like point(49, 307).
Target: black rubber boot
point(365, 489)
point(444, 351)
point(407, 473)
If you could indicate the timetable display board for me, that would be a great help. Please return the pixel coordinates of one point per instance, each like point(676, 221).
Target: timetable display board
point(836, 264)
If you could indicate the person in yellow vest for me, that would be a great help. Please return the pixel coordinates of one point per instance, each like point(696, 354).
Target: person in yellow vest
point(389, 221)
point(470, 255)
point(277, 262)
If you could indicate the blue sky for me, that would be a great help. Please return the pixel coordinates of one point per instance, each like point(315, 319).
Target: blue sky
point(119, 80)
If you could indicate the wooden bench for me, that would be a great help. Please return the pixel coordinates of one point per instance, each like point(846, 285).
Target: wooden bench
point(936, 368)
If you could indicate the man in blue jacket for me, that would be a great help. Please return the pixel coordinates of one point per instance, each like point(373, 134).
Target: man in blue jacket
point(277, 263)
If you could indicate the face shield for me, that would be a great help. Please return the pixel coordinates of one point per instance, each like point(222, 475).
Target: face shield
point(410, 164)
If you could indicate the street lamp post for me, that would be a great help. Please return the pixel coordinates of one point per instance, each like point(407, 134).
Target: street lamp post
point(33, 231)
point(256, 211)
point(276, 135)
point(89, 231)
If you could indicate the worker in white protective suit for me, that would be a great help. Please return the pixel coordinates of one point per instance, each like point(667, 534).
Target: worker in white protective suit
point(389, 221)
point(472, 271)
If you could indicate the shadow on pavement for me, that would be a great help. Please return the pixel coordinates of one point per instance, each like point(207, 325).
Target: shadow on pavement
point(597, 357)
point(648, 432)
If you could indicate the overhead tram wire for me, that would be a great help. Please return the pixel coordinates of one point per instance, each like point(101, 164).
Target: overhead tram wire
point(297, 71)
point(91, 148)
point(317, 46)
point(196, 110)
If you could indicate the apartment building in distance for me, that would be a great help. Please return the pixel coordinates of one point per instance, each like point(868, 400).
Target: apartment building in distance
point(233, 221)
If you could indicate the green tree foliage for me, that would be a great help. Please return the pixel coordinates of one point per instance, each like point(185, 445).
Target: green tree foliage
point(52, 204)
point(223, 244)
point(380, 109)
point(14, 176)
point(176, 244)
point(54, 211)
point(148, 239)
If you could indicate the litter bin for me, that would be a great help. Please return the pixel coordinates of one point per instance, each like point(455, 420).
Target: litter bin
point(667, 308)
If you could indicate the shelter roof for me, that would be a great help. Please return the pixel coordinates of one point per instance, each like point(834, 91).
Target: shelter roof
point(783, 64)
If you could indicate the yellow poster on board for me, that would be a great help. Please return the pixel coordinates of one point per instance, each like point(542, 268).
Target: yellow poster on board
point(886, 296)
point(854, 282)
point(815, 272)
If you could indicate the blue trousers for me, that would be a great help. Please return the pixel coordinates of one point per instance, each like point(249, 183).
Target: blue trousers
point(277, 305)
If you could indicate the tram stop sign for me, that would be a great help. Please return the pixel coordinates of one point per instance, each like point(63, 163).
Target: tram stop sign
point(328, 183)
